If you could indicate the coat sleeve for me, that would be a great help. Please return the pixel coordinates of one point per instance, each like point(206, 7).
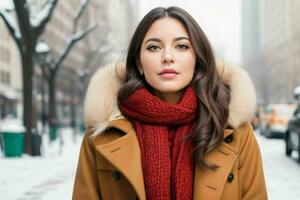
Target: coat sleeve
point(86, 183)
point(251, 176)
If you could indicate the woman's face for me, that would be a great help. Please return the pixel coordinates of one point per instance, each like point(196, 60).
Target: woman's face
point(167, 57)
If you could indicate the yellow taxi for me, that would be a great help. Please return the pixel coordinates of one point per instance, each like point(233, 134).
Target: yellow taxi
point(274, 121)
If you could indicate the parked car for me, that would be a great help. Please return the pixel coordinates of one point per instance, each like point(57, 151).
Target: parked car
point(292, 139)
point(275, 119)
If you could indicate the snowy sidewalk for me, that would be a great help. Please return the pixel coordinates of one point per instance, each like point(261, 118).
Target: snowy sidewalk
point(282, 173)
point(41, 178)
point(52, 176)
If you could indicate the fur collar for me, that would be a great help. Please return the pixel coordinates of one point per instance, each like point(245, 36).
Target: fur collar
point(100, 104)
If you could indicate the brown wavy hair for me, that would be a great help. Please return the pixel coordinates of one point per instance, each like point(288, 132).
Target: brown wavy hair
point(213, 94)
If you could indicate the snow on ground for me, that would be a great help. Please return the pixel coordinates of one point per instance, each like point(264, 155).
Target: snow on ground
point(282, 173)
point(48, 177)
point(52, 176)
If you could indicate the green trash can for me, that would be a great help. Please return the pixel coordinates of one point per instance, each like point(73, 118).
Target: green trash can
point(13, 140)
point(53, 133)
point(82, 128)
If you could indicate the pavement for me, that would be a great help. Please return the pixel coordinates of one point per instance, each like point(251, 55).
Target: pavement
point(52, 175)
point(282, 173)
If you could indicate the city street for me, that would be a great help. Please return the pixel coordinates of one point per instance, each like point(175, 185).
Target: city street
point(42, 178)
point(52, 54)
point(52, 176)
point(282, 173)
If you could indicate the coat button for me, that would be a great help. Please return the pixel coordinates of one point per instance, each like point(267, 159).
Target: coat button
point(229, 139)
point(116, 175)
point(230, 177)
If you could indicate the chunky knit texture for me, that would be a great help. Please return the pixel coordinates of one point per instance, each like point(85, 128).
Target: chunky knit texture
point(168, 172)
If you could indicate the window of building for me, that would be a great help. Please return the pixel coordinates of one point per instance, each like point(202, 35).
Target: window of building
point(4, 54)
point(2, 77)
point(5, 77)
point(8, 78)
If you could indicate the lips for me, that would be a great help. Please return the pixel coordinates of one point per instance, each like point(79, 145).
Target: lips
point(168, 73)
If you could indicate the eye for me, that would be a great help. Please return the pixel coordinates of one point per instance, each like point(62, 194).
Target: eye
point(153, 48)
point(182, 46)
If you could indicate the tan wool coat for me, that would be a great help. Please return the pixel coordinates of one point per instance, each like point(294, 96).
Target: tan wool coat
point(110, 168)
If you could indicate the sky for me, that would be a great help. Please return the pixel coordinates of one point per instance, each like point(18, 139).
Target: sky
point(220, 20)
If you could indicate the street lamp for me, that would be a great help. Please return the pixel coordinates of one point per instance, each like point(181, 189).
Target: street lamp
point(42, 51)
point(297, 93)
point(42, 57)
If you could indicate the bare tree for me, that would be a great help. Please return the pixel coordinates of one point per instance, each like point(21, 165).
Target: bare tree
point(26, 34)
point(50, 71)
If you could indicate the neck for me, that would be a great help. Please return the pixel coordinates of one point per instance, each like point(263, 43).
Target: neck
point(172, 97)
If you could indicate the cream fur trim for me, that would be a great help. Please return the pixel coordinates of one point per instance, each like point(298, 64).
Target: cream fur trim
point(100, 105)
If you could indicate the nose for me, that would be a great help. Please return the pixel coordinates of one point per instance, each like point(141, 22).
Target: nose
point(167, 57)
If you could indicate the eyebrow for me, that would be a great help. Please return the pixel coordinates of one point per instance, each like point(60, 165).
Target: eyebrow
point(176, 39)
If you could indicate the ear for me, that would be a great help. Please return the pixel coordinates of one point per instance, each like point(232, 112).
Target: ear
point(139, 66)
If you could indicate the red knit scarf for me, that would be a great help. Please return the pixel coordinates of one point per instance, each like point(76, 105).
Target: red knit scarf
point(168, 172)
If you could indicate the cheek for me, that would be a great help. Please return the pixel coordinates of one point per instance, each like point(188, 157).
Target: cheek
point(189, 63)
point(149, 60)
point(189, 74)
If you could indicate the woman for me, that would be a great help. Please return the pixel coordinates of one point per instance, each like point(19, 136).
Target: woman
point(172, 124)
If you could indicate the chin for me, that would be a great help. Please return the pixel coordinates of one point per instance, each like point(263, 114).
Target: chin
point(169, 89)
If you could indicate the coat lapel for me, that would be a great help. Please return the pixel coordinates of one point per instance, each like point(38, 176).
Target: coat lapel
point(209, 184)
point(124, 154)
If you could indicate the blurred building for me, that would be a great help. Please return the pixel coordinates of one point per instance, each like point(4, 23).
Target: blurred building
point(250, 30)
point(115, 21)
point(276, 66)
point(251, 43)
point(123, 18)
point(10, 73)
point(275, 32)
